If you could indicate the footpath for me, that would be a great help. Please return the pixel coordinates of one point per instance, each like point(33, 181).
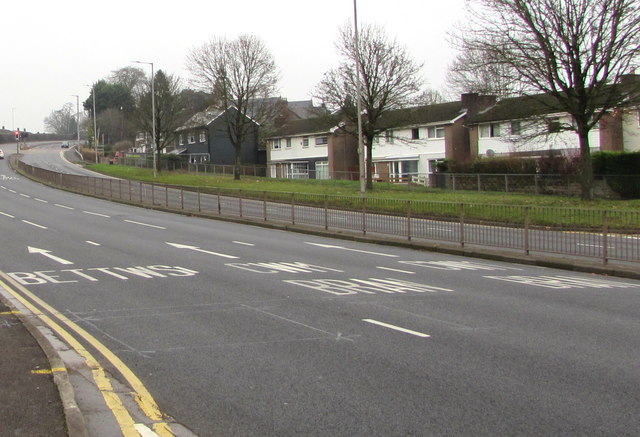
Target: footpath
point(30, 402)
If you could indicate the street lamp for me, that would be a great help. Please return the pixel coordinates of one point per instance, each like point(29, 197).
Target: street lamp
point(77, 119)
point(153, 116)
point(361, 157)
point(95, 127)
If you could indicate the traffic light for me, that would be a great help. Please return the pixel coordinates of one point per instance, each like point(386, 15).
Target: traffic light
point(17, 134)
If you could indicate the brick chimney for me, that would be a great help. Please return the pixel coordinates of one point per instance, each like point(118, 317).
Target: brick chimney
point(474, 102)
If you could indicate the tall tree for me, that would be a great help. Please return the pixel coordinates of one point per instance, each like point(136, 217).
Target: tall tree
point(62, 121)
point(390, 80)
point(240, 73)
point(574, 51)
point(168, 110)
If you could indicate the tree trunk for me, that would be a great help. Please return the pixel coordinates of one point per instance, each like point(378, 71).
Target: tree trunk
point(368, 162)
point(586, 166)
point(236, 167)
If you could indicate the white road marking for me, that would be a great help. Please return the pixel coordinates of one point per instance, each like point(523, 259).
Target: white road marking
point(97, 214)
point(145, 224)
point(34, 224)
point(40, 200)
point(92, 243)
point(7, 215)
point(25, 195)
point(144, 431)
point(197, 249)
point(63, 206)
point(397, 328)
point(244, 244)
point(396, 270)
point(47, 253)
point(13, 191)
point(331, 246)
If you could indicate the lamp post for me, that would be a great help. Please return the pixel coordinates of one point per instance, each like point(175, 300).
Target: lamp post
point(361, 152)
point(153, 116)
point(95, 126)
point(77, 118)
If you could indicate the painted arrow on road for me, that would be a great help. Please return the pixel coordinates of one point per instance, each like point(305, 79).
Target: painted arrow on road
point(47, 253)
point(197, 249)
point(331, 246)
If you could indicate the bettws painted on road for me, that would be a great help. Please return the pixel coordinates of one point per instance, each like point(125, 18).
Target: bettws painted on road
point(96, 274)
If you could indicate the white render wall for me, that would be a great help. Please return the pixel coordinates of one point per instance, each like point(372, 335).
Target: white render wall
point(507, 143)
point(297, 151)
point(404, 148)
point(631, 131)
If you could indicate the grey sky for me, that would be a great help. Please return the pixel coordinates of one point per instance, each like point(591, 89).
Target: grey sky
point(51, 49)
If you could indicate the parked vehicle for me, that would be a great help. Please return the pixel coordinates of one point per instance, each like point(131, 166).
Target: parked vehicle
point(1, 154)
point(65, 145)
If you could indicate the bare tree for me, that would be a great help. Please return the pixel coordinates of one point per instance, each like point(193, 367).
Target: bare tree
point(62, 121)
point(574, 51)
point(241, 74)
point(473, 71)
point(168, 110)
point(133, 78)
point(429, 96)
point(390, 80)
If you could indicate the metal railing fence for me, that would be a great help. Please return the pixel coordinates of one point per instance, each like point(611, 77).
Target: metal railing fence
point(588, 233)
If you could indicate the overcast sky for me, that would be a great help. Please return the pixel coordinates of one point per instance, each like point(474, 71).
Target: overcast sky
point(52, 48)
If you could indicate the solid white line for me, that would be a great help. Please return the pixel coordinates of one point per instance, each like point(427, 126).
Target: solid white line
point(6, 215)
point(40, 200)
point(63, 206)
point(95, 213)
point(397, 328)
point(34, 224)
point(396, 270)
point(244, 244)
point(145, 224)
point(92, 243)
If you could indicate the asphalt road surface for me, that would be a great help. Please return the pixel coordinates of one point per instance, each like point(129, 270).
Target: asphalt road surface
point(239, 330)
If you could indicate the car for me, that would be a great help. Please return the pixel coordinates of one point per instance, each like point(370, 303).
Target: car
point(1, 154)
point(65, 145)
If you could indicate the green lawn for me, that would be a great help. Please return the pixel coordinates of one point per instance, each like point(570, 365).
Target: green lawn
point(351, 188)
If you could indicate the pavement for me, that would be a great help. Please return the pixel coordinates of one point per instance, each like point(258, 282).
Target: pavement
point(31, 403)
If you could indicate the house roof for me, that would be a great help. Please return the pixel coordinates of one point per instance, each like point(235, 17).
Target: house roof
point(420, 115)
point(302, 108)
point(313, 125)
point(515, 108)
point(201, 119)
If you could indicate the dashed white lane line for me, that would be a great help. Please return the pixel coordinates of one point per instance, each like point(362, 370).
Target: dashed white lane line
point(397, 328)
point(145, 224)
point(93, 243)
point(25, 195)
point(63, 206)
point(243, 243)
point(40, 200)
point(96, 214)
point(396, 270)
point(34, 224)
point(7, 215)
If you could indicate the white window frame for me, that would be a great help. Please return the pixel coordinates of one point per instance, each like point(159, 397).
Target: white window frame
point(515, 127)
point(275, 144)
point(305, 141)
point(494, 130)
point(203, 136)
point(287, 143)
point(415, 133)
point(322, 140)
point(435, 132)
point(181, 140)
point(388, 136)
point(191, 138)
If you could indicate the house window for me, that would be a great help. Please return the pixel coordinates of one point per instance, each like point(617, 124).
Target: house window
point(288, 143)
point(516, 127)
point(321, 141)
point(388, 136)
point(415, 133)
point(435, 132)
point(203, 136)
point(191, 138)
point(322, 170)
point(553, 125)
point(490, 130)
point(305, 141)
point(275, 144)
point(181, 140)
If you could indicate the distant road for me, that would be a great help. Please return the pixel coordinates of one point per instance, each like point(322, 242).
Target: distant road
point(49, 155)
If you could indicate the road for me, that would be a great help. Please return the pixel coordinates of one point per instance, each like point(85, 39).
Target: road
point(239, 330)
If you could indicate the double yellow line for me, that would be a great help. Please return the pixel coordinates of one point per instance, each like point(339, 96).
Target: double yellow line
point(55, 321)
